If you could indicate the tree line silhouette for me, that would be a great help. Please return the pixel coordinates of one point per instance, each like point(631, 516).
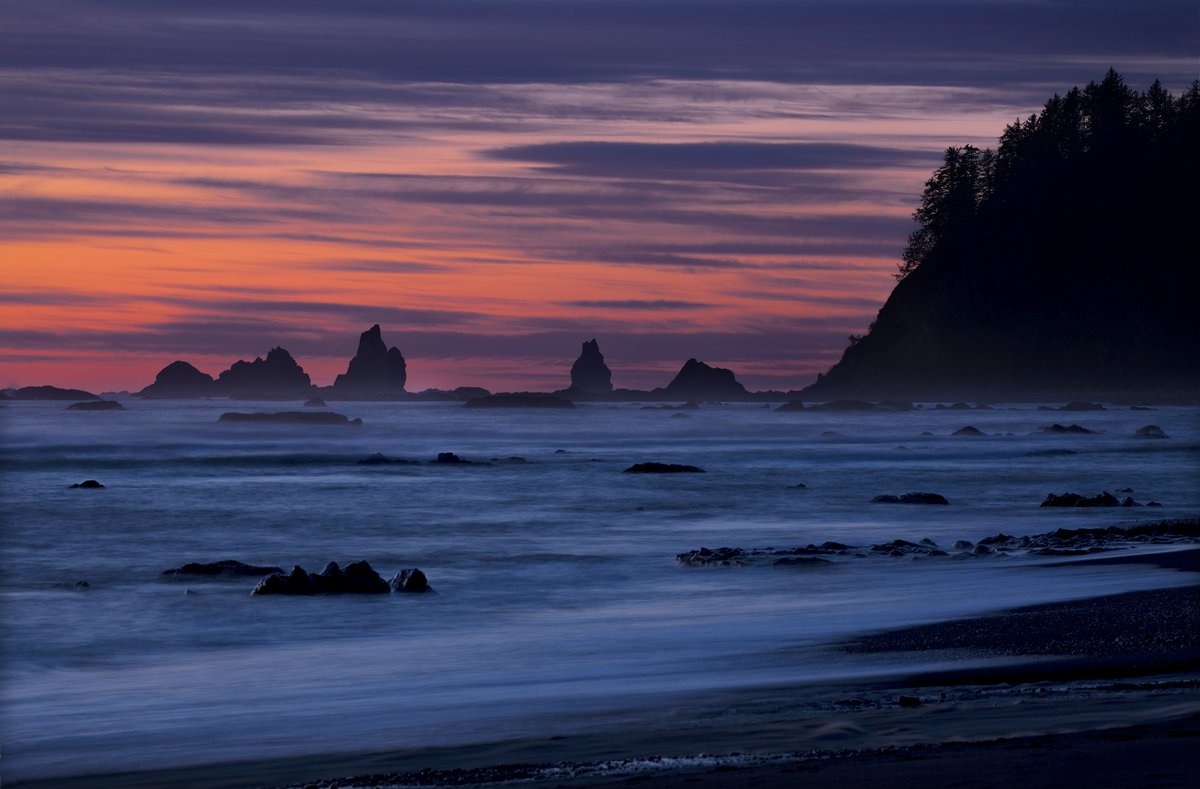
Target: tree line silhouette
point(1067, 255)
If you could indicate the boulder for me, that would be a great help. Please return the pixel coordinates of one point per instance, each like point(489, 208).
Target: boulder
point(1150, 431)
point(451, 459)
point(290, 418)
point(792, 405)
point(968, 431)
point(411, 581)
point(698, 381)
point(911, 498)
point(179, 379)
point(375, 370)
point(96, 405)
point(589, 373)
point(276, 377)
point(663, 468)
point(88, 484)
point(315, 402)
point(226, 567)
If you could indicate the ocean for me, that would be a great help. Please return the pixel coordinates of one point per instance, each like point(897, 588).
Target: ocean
point(559, 605)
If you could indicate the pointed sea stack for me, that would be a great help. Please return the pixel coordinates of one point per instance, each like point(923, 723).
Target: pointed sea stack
point(276, 377)
point(376, 371)
point(698, 381)
point(589, 373)
point(179, 379)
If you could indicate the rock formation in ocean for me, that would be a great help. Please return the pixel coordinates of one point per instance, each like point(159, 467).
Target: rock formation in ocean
point(274, 378)
point(375, 370)
point(541, 401)
point(698, 381)
point(1056, 266)
point(589, 373)
point(291, 418)
point(180, 379)
point(96, 405)
point(49, 393)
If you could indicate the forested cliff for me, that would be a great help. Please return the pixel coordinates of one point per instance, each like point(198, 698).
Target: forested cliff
point(1062, 263)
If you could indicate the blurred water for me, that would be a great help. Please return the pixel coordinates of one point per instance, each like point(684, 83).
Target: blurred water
point(558, 592)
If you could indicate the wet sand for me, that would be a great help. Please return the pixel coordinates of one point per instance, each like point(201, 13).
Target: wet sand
point(1096, 692)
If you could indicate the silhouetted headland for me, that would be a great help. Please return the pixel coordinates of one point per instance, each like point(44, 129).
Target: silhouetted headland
point(1056, 265)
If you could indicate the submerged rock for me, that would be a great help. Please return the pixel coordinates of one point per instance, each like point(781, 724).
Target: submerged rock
point(451, 459)
point(1057, 428)
point(379, 459)
point(792, 405)
point(589, 373)
point(356, 578)
point(1102, 499)
point(518, 401)
point(911, 498)
point(968, 431)
point(226, 567)
point(802, 562)
point(88, 484)
point(96, 405)
point(1079, 405)
point(663, 468)
point(847, 405)
point(315, 402)
point(291, 418)
point(1150, 431)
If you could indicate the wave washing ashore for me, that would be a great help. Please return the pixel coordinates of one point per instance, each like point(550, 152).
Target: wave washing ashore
point(761, 622)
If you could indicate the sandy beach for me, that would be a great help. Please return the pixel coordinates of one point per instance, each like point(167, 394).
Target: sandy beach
point(1101, 691)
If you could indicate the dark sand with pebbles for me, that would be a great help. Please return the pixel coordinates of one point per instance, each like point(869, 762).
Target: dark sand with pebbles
point(1101, 692)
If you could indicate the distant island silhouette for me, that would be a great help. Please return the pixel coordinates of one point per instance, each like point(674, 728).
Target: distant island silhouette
point(1060, 265)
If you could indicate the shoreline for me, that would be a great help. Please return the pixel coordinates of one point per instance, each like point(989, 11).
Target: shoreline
point(1057, 670)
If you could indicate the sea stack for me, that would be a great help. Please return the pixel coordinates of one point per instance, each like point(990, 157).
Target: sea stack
point(698, 381)
point(589, 373)
point(276, 377)
point(375, 370)
point(179, 379)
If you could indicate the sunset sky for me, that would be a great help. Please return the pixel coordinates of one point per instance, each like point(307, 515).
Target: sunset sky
point(496, 182)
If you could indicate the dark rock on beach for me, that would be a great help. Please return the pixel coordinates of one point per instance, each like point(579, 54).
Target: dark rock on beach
point(911, 498)
point(88, 484)
point(411, 581)
point(375, 370)
point(356, 578)
point(518, 401)
point(290, 418)
point(96, 405)
point(226, 567)
point(663, 468)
